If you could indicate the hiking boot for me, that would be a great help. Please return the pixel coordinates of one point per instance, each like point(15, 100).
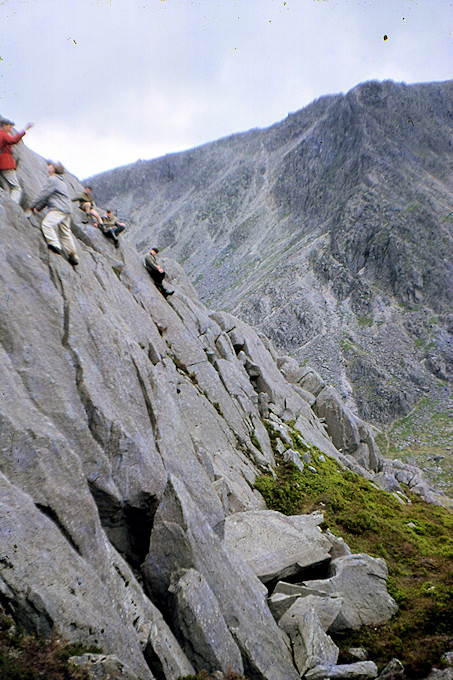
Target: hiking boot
point(55, 249)
point(110, 234)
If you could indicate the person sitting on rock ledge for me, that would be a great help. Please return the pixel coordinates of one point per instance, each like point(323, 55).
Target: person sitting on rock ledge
point(111, 227)
point(55, 196)
point(157, 273)
point(87, 204)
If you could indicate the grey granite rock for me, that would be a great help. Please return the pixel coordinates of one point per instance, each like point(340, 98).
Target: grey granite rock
point(182, 538)
point(340, 422)
point(130, 433)
point(275, 546)
point(361, 582)
point(314, 232)
point(311, 646)
point(361, 670)
point(102, 667)
point(201, 626)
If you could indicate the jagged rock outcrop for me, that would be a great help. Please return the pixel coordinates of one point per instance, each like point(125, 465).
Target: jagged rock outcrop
point(131, 431)
point(330, 231)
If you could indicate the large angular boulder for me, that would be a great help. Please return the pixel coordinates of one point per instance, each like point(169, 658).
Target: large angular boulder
point(361, 582)
point(286, 594)
point(276, 546)
point(291, 369)
point(340, 421)
point(203, 631)
point(361, 670)
point(326, 608)
point(312, 381)
point(349, 434)
point(311, 645)
point(183, 538)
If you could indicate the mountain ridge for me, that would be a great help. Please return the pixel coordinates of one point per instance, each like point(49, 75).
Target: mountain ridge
point(326, 231)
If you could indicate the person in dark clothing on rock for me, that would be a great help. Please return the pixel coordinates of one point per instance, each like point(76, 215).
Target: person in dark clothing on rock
point(157, 273)
point(87, 204)
point(111, 227)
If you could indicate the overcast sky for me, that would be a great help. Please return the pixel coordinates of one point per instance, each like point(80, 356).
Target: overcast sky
point(107, 82)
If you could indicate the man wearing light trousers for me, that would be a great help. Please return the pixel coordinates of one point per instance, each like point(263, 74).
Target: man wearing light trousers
point(55, 196)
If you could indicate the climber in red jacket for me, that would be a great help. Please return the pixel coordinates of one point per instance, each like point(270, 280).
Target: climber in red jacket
point(7, 161)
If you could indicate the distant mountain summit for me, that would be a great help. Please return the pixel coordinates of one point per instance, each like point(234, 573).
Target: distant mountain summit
point(331, 232)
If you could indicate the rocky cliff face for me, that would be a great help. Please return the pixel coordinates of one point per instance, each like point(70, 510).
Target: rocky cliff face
point(331, 232)
point(132, 430)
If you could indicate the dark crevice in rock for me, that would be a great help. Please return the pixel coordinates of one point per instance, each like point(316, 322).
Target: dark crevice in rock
point(34, 617)
point(128, 527)
point(55, 278)
point(183, 368)
point(197, 363)
point(154, 663)
point(52, 515)
point(66, 308)
point(313, 572)
point(250, 670)
point(7, 604)
point(147, 400)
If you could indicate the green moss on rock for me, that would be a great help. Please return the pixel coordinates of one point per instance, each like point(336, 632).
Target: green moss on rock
point(415, 539)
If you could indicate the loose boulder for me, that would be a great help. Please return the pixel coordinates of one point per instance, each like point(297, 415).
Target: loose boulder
point(276, 546)
point(361, 581)
point(311, 645)
point(361, 670)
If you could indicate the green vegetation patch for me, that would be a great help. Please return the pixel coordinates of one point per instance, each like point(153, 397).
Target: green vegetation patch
point(365, 321)
point(416, 541)
point(26, 657)
point(425, 438)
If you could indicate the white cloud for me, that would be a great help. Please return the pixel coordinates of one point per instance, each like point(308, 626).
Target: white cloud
point(111, 81)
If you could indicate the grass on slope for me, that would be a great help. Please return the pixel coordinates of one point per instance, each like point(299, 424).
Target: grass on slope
point(425, 438)
point(416, 541)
